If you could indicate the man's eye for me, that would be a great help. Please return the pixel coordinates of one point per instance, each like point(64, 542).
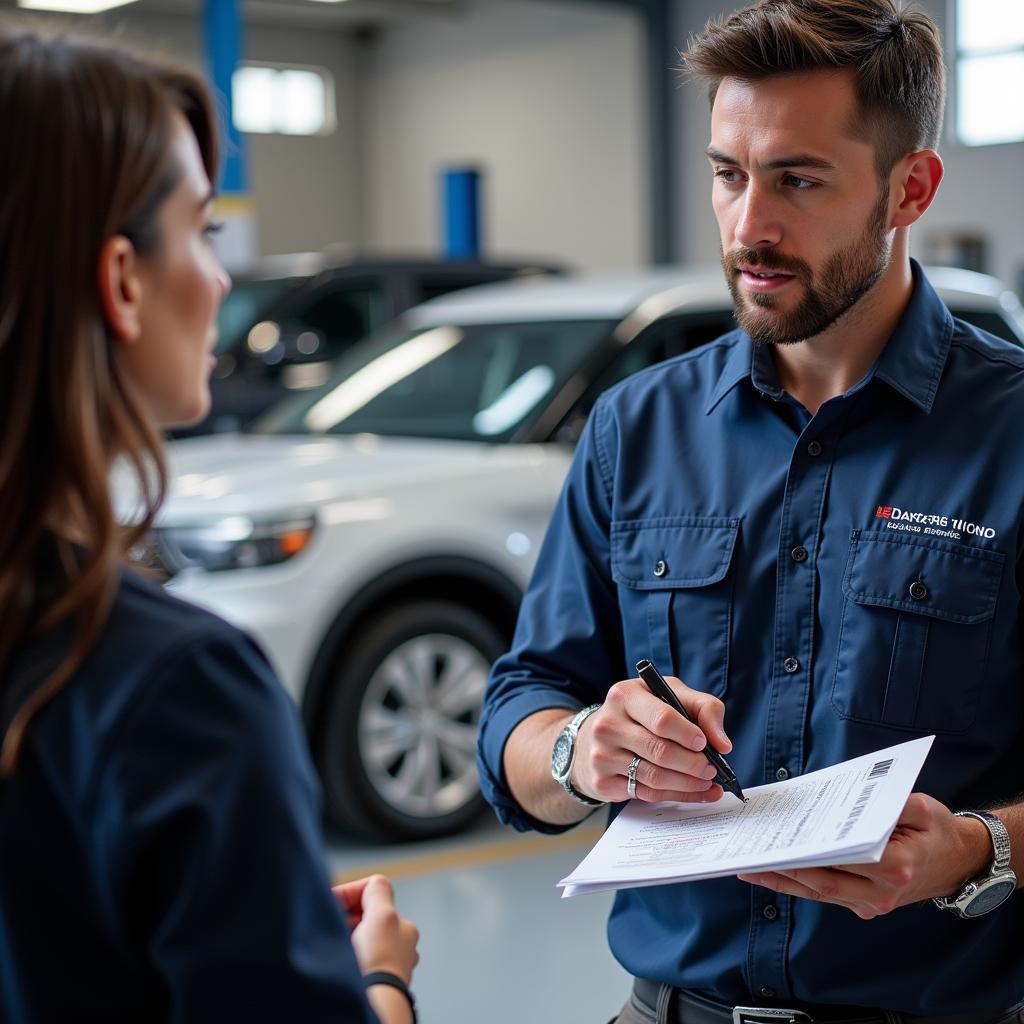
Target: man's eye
point(799, 183)
point(727, 175)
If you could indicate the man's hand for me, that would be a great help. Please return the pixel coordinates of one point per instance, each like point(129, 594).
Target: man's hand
point(930, 853)
point(633, 722)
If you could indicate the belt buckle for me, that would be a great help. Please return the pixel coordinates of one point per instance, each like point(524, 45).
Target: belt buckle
point(769, 1015)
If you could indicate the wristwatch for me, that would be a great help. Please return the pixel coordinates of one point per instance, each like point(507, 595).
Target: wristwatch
point(980, 895)
point(562, 754)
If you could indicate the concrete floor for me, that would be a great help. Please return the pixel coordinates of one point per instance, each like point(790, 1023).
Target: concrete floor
point(497, 942)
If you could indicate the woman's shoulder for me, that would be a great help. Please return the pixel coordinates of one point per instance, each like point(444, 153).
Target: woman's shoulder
point(155, 646)
point(144, 609)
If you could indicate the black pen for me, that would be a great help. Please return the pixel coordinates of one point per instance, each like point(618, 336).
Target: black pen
point(655, 681)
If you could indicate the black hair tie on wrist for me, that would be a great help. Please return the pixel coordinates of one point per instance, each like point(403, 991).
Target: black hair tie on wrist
point(387, 978)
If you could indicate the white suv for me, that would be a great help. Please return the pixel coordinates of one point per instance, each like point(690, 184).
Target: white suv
point(376, 534)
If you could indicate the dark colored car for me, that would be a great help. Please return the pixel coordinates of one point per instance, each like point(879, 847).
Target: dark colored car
point(283, 325)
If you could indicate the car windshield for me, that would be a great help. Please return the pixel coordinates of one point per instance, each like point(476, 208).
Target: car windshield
point(474, 382)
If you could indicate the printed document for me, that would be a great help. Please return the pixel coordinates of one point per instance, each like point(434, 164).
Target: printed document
point(839, 815)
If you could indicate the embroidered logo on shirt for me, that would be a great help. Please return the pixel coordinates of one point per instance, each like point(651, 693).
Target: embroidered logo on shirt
point(933, 525)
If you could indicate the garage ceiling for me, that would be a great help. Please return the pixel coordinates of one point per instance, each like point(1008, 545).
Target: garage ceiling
point(346, 14)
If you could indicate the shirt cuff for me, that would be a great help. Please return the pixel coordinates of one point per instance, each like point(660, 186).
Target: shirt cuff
point(495, 729)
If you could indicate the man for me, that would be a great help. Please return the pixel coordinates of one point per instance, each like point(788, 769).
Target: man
point(815, 525)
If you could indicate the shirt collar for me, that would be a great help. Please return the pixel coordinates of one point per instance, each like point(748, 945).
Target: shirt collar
point(911, 362)
point(737, 367)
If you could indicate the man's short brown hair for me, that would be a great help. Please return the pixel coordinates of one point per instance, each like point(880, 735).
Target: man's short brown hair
point(895, 55)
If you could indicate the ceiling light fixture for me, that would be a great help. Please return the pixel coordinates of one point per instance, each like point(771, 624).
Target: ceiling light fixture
point(73, 6)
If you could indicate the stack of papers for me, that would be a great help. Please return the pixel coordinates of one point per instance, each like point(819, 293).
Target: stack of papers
point(839, 815)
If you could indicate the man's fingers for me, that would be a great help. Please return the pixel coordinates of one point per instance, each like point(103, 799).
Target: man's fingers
point(828, 885)
point(918, 813)
point(695, 796)
point(659, 752)
point(711, 718)
point(664, 780)
point(635, 723)
point(789, 885)
point(708, 711)
point(664, 721)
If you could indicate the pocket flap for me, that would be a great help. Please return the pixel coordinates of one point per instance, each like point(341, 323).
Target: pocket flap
point(928, 576)
point(677, 551)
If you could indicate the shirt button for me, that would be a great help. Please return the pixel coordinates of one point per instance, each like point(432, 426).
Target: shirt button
point(814, 448)
point(782, 774)
point(918, 591)
point(799, 553)
point(766, 992)
point(770, 912)
point(791, 665)
point(660, 568)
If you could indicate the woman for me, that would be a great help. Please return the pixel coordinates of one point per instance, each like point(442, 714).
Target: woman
point(160, 851)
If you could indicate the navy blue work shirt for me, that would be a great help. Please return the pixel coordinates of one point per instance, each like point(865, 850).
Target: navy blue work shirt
point(161, 856)
point(844, 582)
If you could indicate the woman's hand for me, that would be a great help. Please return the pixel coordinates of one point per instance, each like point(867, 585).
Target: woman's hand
point(383, 940)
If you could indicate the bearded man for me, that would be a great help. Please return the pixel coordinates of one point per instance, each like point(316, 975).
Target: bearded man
point(729, 516)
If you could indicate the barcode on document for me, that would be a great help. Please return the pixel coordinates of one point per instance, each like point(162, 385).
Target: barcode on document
point(858, 809)
point(881, 768)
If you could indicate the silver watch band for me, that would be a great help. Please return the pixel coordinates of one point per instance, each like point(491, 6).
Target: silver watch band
point(1000, 837)
point(981, 895)
point(578, 719)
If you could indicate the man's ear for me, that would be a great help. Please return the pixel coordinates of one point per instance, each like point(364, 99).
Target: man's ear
point(914, 182)
point(120, 288)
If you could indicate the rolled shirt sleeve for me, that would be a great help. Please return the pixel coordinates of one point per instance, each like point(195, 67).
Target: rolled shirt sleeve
point(567, 648)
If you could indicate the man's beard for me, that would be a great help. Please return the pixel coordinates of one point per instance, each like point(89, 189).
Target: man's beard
point(847, 276)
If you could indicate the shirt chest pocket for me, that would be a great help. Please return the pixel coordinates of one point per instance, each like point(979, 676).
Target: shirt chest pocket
point(914, 636)
point(676, 594)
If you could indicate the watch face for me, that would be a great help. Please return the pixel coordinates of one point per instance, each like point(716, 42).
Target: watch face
point(560, 755)
point(989, 895)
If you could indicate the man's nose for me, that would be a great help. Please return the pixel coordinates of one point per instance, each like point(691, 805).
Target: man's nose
point(758, 226)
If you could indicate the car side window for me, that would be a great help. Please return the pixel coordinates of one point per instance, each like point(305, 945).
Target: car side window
point(431, 289)
point(330, 320)
point(661, 340)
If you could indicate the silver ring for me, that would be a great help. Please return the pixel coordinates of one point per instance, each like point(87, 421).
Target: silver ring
point(631, 777)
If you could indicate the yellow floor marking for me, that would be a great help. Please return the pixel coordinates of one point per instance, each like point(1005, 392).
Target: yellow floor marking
point(473, 856)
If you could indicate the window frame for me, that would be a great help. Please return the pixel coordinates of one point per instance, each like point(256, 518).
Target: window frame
point(957, 56)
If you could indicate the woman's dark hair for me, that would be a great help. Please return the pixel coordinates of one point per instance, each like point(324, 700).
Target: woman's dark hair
point(86, 156)
point(895, 56)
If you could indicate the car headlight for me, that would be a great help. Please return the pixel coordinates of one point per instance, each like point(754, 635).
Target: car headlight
point(234, 542)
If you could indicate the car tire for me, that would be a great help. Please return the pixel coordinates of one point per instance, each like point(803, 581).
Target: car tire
point(396, 747)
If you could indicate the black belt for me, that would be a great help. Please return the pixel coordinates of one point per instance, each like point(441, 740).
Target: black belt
point(691, 1008)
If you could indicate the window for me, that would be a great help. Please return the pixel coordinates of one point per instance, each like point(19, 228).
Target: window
point(475, 382)
point(989, 71)
point(270, 99)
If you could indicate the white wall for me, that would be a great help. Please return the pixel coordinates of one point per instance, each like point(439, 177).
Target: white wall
point(983, 190)
point(304, 188)
point(547, 98)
